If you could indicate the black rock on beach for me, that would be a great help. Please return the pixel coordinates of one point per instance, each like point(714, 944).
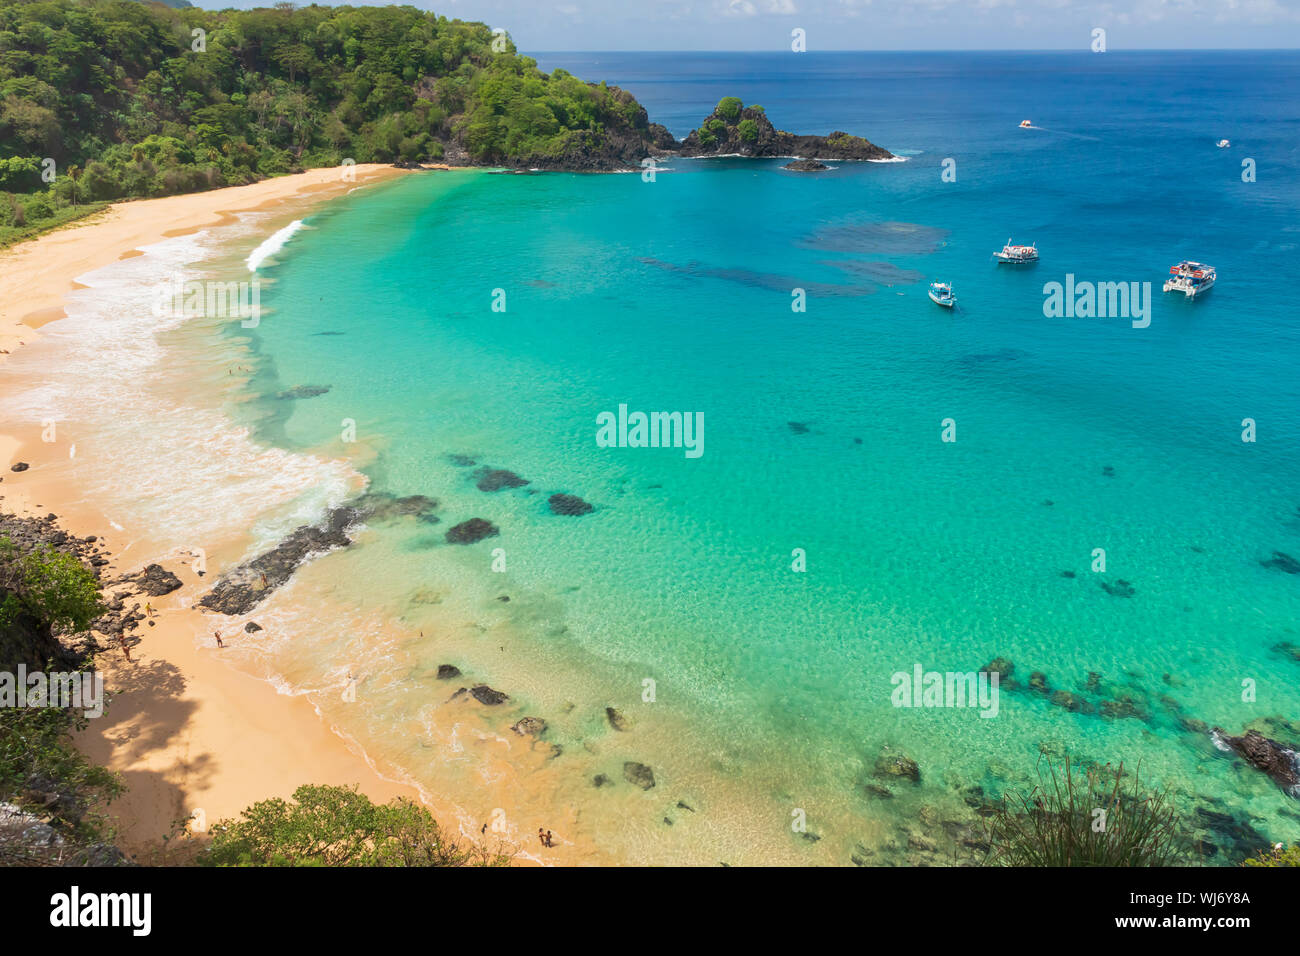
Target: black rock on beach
point(241, 590)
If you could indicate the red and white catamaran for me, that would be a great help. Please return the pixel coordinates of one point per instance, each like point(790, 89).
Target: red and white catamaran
point(1190, 278)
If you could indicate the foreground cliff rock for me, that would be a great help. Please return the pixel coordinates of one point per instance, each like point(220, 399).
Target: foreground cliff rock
point(733, 129)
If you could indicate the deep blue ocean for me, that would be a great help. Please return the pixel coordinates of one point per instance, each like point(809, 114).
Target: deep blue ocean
point(771, 687)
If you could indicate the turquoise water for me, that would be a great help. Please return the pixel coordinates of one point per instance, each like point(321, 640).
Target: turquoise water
point(823, 433)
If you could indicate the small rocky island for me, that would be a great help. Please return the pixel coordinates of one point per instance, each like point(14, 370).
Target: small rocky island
point(805, 166)
point(733, 129)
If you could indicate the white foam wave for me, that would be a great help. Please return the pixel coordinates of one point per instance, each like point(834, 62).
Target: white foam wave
point(178, 467)
point(272, 245)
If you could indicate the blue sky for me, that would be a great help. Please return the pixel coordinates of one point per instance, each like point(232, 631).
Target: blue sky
point(538, 25)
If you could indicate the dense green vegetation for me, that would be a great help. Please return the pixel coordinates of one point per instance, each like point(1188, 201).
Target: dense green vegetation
point(41, 772)
point(1075, 818)
point(337, 826)
point(106, 99)
point(52, 586)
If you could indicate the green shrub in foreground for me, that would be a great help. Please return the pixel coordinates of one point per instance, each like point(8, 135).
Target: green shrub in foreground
point(337, 826)
point(1079, 818)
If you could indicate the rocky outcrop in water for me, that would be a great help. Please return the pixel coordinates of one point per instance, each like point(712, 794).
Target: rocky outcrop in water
point(1277, 760)
point(805, 166)
point(486, 695)
point(735, 130)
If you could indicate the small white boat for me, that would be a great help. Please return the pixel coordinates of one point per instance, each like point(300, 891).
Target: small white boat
point(1015, 255)
point(941, 294)
point(1190, 278)
point(1025, 124)
point(1223, 144)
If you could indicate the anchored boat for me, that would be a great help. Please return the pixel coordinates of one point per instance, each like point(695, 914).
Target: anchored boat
point(941, 294)
point(1016, 255)
point(1190, 278)
point(1223, 144)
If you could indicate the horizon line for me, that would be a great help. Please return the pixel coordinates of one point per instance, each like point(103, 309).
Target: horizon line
point(1082, 51)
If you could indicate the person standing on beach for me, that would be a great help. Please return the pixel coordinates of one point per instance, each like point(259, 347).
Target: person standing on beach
point(220, 642)
point(125, 649)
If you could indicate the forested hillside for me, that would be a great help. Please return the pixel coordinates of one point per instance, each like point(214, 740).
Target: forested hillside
point(127, 99)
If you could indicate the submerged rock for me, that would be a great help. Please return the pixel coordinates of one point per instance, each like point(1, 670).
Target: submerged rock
point(1124, 706)
point(252, 627)
point(19, 466)
point(616, 719)
point(448, 671)
point(896, 766)
point(1282, 562)
point(806, 166)
point(384, 507)
point(303, 391)
point(494, 479)
point(468, 532)
point(1120, 588)
point(1277, 760)
point(486, 695)
point(529, 727)
point(1001, 666)
point(638, 774)
point(1287, 650)
point(569, 505)
point(1244, 839)
point(799, 428)
point(1072, 702)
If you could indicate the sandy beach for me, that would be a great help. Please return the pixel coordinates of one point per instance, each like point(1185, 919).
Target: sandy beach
point(192, 737)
